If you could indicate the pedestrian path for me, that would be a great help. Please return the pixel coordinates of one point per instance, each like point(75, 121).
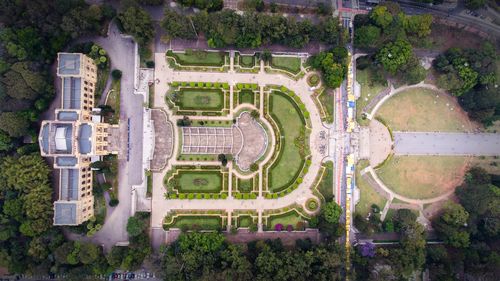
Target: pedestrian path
point(449, 144)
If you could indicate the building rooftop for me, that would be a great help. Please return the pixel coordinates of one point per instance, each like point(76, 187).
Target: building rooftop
point(72, 91)
point(69, 184)
point(65, 213)
point(85, 139)
point(68, 64)
point(67, 115)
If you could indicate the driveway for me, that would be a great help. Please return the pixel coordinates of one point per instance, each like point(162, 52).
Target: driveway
point(122, 53)
point(430, 143)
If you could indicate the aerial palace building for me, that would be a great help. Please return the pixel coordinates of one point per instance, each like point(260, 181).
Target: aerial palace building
point(75, 138)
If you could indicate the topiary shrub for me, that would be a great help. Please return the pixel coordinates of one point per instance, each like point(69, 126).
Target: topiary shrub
point(182, 196)
point(116, 74)
point(224, 196)
point(199, 196)
point(190, 196)
point(289, 228)
point(206, 196)
point(278, 227)
point(114, 202)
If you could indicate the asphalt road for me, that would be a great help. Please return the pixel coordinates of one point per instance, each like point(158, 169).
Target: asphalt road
point(121, 52)
point(429, 143)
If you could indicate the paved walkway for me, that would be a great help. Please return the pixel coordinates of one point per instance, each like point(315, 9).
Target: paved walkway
point(165, 75)
point(437, 143)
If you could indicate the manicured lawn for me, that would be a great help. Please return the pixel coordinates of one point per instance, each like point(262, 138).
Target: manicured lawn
point(291, 64)
point(246, 96)
point(369, 89)
point(201, 99)
point(288, 218)
point(247, 61)
point(199, 181)
point(245, 185)
point(289, 162)
point(423, 177)
point(199, 58)
point(368, 195)
point(423, 110)
point(327, 98)
point(201, 222)
point(113, 100)
point(325, 186)
point(245, 221)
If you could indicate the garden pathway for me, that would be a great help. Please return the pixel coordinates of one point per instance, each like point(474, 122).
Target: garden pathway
point(165, 75)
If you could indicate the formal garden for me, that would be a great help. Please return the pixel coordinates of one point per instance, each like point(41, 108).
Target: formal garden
point(198, 60)
point(190, 182)
point(198, 98)
point(291, 153)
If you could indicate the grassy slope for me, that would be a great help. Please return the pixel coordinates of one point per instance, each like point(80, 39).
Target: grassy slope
point(290, 162)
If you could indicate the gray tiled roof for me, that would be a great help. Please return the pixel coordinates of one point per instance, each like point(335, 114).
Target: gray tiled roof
point(69, 64)
point(72, 92)
point(69, 184)
point(65, 213)
point(84, 139)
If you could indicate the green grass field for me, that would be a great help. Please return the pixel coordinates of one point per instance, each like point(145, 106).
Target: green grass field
point(368, 195)
point(245, 185)
point(199, 181)
point(369, 89)
point(201, 99)
point(199, 58)
point(422, 177)
point(325, 186)
point(193, 222)
point(290, 64)
point(246, 96)
point(247, 61)
point(289, 162)
point(288, 218)
point(327, 98)
point(245, 221)
point(423, 110)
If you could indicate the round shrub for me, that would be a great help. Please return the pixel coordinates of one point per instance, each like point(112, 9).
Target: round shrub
point(224, 196)
point(246, 196)
point(312, 205)
point(199, 196)
point(216, 196)
point(300, 180)
point(206, 196)
point(237, 196)
point(114, 202)
point(253, 196)
point(278, 227)
point(275, 195)
point(117, 74)
point(182, 196)
point(190, 196)
point(313, 80)
point(269, 196)
point(289, 228)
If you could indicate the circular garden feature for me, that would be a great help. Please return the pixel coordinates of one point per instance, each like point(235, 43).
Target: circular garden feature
point(313, 80)
point(312, 204)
